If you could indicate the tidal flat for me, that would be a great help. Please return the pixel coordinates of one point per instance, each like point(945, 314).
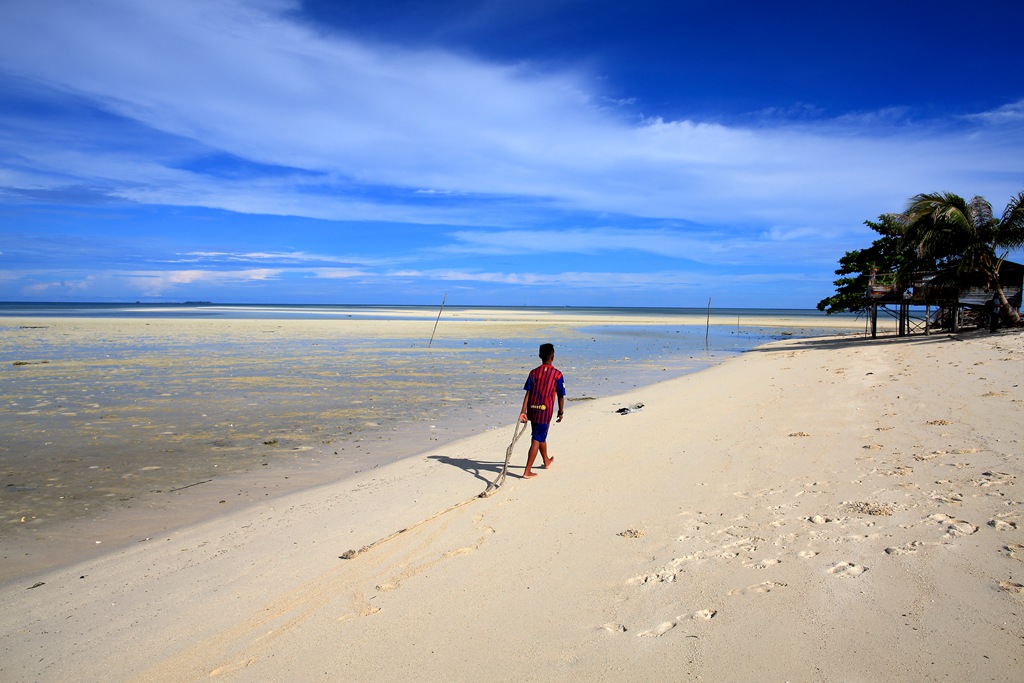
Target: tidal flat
point(105, 415)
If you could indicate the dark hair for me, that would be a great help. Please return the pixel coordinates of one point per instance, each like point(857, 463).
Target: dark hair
point(547, 352)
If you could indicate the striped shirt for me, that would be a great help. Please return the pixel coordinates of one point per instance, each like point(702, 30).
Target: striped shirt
point(543, 386)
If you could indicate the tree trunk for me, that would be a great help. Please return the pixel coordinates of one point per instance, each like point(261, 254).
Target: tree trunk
point(1007, 313)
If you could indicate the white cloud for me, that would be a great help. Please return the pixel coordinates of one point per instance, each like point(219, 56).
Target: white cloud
point(492, 143)
point(340, 273)
point(1008, 113)
point(598, 280)
point(166, 283)
point(664, 242)
point(292, 258)
point(96, 284)
point(720, 247)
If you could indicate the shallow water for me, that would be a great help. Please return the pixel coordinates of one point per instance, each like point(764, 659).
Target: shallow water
point(95, 421)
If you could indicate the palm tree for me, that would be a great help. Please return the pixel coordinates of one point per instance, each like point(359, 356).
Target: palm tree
point(942, 225)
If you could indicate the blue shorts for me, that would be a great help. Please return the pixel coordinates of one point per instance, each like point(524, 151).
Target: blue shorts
point(540, 431)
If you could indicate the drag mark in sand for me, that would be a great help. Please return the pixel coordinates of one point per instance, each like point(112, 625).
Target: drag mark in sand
point(412, 570)
point(384, 570)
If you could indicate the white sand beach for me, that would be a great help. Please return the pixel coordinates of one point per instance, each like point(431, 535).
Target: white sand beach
point(816, 510)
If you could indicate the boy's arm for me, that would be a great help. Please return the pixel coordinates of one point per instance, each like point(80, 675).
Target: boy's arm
point(561, 399)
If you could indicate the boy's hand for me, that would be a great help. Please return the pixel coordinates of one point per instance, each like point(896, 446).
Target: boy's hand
point(522, 417)
point(559, 418)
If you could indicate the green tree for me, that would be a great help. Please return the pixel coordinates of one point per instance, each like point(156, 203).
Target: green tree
point(967, 237)
point(886, 255)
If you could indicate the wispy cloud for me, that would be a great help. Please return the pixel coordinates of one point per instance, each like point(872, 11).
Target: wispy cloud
point(251, 80)
point(674, 280)
point(291, 258)
point(248, 108)
point(679, 242)
point(1012, 113)
point(146, 283)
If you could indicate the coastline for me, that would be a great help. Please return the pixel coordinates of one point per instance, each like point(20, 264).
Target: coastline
point(845, 508)
point(133, 426)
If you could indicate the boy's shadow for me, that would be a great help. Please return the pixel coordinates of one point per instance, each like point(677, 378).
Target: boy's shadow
point(477, 468)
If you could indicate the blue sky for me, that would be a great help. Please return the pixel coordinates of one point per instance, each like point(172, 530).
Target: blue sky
point(556, 152)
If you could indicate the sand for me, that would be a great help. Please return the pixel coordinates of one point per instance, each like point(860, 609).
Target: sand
point(827, 509)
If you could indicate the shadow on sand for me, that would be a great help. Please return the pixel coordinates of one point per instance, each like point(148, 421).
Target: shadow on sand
point(485, 471)
point(852, 342)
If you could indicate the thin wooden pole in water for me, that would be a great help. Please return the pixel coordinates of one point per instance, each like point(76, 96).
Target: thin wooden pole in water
point(438, 320)
point(707, 326)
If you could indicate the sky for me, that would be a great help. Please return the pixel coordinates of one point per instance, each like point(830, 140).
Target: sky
point(494, 152)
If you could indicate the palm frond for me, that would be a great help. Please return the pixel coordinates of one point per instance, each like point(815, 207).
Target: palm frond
point(1011, 226)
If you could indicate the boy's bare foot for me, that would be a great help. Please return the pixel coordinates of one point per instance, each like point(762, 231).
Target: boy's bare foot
point(529, 475)
point(547, 463)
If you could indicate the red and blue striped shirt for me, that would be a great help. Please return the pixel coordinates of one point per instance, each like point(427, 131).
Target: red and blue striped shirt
point(544, 385)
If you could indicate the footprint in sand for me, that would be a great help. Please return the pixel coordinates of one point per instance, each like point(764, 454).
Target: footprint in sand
point(704, 614)
point(1011, 587)
point(762, 564)
point(763, 587)
point(1014, 550)
point(847, 570)
point(666, 626)
point(904, 549)
point(668, 573)
point(1000, 525)
point(613, 628)
point(746, 544)
point(960, 528)
point(661, 630)
point(948, 498)
point(808, 554)
point(992, 478)
point(954, 527)
point(922, 457)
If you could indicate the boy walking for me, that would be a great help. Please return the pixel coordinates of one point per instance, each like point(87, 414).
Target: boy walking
point(543, 385)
